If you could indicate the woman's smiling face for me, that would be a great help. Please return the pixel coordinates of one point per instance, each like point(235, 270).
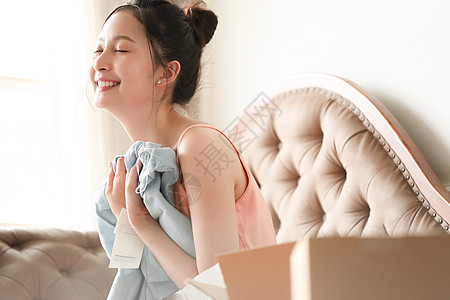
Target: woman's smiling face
point(122, 71)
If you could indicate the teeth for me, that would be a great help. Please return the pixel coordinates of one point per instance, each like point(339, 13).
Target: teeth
point(106, 83)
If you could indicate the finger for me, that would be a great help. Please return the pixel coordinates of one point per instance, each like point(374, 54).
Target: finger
point(109, 183)
point(135, 204)
point(137, 164)
point(121, 170)
point(119, 178)
point(132, 180)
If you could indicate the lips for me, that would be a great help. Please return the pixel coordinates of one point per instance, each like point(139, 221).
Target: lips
point(104, 84)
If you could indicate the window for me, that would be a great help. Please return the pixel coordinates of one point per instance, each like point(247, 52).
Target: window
point(46, 174)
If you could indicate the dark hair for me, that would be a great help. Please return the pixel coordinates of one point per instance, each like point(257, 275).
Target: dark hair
point(175, 33)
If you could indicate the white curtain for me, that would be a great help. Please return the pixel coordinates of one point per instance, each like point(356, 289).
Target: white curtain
point(54, 145)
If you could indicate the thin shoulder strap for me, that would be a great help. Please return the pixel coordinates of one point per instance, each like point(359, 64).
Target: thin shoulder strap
point(186, 130)
point(212, 127)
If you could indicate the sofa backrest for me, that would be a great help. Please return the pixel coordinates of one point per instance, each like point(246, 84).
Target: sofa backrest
point(332, 161)
point(53, 264)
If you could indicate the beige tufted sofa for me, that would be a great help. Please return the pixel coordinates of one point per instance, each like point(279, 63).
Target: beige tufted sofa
point(333, 161)
point(53, 264)
point(330, 161)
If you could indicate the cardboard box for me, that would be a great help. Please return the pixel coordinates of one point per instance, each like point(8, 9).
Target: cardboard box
point(384, 268)
point(260, 274)
point(338, 268)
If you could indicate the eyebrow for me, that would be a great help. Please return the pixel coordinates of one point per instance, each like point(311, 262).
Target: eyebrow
point(118, 37)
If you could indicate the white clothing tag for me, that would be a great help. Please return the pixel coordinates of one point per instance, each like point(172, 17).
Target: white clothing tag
point(128, 247)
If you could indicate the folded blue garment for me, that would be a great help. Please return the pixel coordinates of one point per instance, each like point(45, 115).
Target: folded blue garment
point(158, 174)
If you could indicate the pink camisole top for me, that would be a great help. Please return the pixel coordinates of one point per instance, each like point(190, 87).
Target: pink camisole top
point(254, 221)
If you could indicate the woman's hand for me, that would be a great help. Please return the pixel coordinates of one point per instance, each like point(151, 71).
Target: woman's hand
point(138, 214)
point(121, 193)
point(115, 188)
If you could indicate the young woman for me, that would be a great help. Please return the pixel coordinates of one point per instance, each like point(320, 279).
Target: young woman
point(146, 60)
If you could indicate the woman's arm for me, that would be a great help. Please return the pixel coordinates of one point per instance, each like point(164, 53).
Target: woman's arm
point(213, 213)
point(208, 156)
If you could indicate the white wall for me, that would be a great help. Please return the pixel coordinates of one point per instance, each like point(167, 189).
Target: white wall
point(397, 50)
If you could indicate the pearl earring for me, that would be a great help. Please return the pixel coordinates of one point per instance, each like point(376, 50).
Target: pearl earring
point(159, 81)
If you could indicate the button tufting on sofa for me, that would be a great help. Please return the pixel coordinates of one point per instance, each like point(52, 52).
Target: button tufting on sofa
point(53, 264)
point(64, 273)
point(337, 173)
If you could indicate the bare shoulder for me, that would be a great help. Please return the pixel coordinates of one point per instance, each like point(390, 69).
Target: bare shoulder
point(206, 151)
point(197, 138)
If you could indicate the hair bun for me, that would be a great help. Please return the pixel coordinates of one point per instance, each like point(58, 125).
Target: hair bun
point(203, 21)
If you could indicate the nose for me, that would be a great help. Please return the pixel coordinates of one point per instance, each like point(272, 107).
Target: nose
point(101, 62)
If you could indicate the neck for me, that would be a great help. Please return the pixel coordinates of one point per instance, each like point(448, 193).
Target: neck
point(156, 128)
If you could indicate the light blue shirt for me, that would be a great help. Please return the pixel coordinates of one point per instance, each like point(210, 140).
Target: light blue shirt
point(157, 177)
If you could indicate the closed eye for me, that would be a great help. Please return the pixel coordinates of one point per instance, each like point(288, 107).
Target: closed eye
point(122, 51)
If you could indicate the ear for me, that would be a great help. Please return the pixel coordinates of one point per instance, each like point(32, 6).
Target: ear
point(170, 74)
